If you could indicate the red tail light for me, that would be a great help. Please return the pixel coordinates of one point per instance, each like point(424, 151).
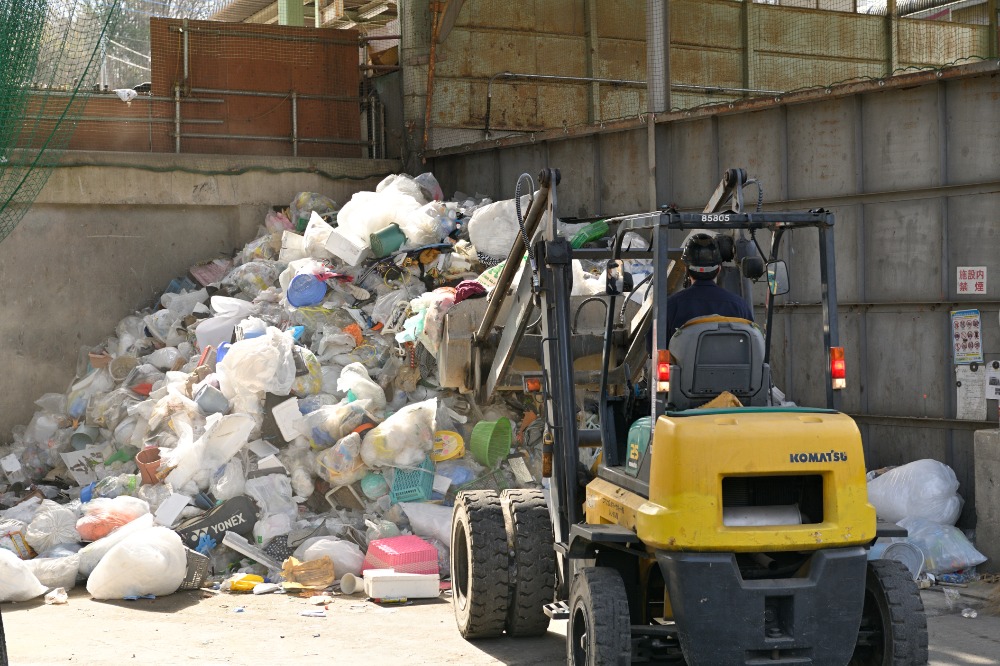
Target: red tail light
point(663, 371)
point(838, 367)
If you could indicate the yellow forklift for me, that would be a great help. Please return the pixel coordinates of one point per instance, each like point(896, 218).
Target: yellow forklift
point(721, 525)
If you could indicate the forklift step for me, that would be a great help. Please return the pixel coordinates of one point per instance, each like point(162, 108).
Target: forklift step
point(603, 533)
point(557, 610)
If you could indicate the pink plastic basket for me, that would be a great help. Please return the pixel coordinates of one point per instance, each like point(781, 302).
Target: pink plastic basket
point(405, 554)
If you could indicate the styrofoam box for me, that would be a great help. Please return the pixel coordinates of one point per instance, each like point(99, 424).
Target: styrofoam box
point(347, 247)
point(387, 584)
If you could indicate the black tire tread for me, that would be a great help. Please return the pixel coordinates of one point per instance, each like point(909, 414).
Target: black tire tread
point(532, 560)
point(907, 621)
point(488, 580)
point(603, 591)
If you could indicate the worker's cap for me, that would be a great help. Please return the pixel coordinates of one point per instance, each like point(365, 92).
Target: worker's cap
point(701, 254)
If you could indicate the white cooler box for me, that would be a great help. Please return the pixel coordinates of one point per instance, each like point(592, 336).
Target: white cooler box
point(387, 584)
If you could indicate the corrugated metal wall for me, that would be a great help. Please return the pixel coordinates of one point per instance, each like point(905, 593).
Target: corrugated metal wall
point(909, 168)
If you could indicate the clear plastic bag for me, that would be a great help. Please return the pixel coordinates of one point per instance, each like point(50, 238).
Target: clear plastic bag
point(342, 464)
point(101, 516)
point(346, 556)
point(945, 548)
point(229, 480)
point(56, 571)
point(432, 521)
point(52, 526)
point(402, 440)
point(921, 489)
point(259, 364)
point(306, 203)
point(355, 378)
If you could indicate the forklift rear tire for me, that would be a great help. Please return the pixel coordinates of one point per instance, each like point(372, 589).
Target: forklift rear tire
point(479, 564)
point(599, 631)
point(893, 623)
point(533, 561)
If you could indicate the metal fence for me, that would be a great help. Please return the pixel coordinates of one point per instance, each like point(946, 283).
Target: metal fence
point(487, 70)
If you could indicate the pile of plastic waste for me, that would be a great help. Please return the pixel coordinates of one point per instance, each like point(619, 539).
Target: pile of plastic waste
point(275, 418)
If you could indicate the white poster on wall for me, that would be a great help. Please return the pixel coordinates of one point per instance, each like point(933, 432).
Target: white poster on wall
point(970, 388)
point(971, 280)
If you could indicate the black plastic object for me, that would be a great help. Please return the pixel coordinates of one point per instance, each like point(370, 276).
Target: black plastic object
point(238, 514)
point(752, 268)
point(778, 617)
point(727, 247)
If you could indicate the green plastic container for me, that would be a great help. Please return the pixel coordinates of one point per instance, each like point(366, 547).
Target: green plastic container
point(591, 232)
point(639, 436)
point(386, 241)
point(490, 441)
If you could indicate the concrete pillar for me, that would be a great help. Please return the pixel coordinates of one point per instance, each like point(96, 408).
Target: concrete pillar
point(987, 465)
point(290, 12)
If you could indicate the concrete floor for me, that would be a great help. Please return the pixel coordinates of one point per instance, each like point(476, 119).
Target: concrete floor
point(205, 628)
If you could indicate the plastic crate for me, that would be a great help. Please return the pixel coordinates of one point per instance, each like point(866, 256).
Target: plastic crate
point(405, 554)
point(498, 479)
point(197, 570)
point(413, 485)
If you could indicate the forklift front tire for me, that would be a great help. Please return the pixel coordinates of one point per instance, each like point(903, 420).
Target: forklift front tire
point(479, 564)
point(533, 561)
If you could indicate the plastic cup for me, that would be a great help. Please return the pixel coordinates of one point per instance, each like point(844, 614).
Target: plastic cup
point(350, 584)
point(148, 461)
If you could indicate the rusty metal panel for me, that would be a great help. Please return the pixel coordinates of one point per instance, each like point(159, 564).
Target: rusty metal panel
point(823, 145)
point(824, 34)
point(756, 142)
point(973, 142)
point(701, 67)
point(558, 56)
point(564, 105)
point(933, 43)
point(706, 23)
point(902, 139)
point(622, 19)
point(621, 59)
point(787, 72)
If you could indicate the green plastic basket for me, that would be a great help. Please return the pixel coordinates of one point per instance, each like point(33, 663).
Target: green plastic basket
point(490, 441)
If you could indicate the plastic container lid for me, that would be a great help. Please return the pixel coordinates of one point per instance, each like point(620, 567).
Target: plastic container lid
point(447, 445)
point(490, 441)
point(305, 289)
point(907, 553)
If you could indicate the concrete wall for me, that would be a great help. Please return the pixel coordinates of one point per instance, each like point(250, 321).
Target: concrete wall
point(104, 241)
point(909, 168)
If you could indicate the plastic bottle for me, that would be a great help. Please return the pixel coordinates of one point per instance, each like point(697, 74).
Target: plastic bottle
point(113, 486)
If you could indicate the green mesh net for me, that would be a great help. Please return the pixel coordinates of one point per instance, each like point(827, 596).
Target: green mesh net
point(47, 71)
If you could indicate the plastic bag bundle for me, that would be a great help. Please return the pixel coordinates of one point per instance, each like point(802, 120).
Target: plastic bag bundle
point(258, 364)
point(252, 278)
point(921, 489)
point(17, 583)
point(56, 571)
point(223, 437)
point(308, 373)
point(945, 548)
point(316, 235)
point(228, 481)
point(305, 204)
point(101, 516)
point(273, 494)
point(342, 464)
point(354, 378)
point(217, 329)
point(402, 440)
point(152, 561)
point(431, 521)
point(329, 423)
point(52, 526)
point(493, 228)
point(347, 557)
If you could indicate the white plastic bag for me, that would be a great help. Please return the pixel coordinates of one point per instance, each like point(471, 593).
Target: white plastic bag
point(328, 424)
point(920, 489)
point(355, 378)
point(229, 480)
point(259, 364)
point(17, 583)
point(223, 437)
point(219, 328)
point(945, 548)
point(273, 494)
point(316, 235)
point(152, 561)
point(92, 553)
point(53, 525)
point(493, 228)
point(347, 556)
point(56, 571)
point(402, 440)
point(429, 520)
